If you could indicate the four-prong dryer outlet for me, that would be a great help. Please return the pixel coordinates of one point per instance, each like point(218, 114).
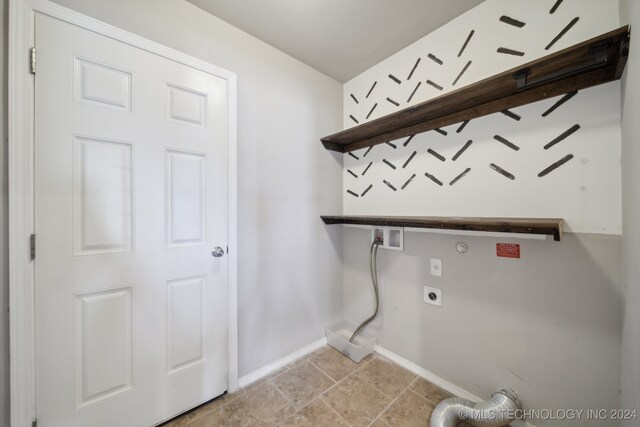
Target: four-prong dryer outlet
point(433, 296)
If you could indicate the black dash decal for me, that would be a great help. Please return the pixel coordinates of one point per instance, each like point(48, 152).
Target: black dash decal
point(562, 33)
point(388, 163)
point(390, 144)
point(409, 159)
point(555, 6)
point(462, 150)
point(561, 101)
point(413, 69)
point(501, 171)
point(394, 78)
point(466, 42)
point(371, 90)
point(354, 156)
point(462, 125)
point(367, 152)
point(352, 193)
point(564, 134)
point(367, 168)
point(372, 108)
point(506, 142)
point(414, 92)
point(457, 178)
point(351, 172)
point(441, 132)
point(461, 73)
point(509, 20)
point(437, 86)
point(435, 59)
point(555, 165)
point(355, 99)
point(393, 102)
point(404, 144)
point(389, 185)
point(433, 178)
point(436, 155)
point(508, 51)
point(367, 190)
point(408, 181)
point(511, 114)
point(354, 119)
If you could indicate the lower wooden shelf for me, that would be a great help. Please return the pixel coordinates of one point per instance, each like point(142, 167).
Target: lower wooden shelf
point(545, 226)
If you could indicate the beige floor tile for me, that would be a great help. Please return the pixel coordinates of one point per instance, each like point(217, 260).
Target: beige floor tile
point(334, 364)
point(386, 376)
point(357, 402)
point(305, 359)
point(264, 405)
point(379, 423)
point(215, 418)
point(302, 384)
point(430, 391)
point(194, 414)
point(316, 414)
point(409, 410)
point(267, 378)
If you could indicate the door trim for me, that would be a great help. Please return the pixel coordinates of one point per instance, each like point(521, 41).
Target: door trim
point(21, 189)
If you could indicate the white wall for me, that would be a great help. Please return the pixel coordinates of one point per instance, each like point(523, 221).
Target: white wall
point(548, 324)
point(585, 191)
point(630, 14)
point(289, 264)
point(4, 252)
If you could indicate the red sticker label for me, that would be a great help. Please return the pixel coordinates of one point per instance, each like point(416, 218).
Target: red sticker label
point(508, 250)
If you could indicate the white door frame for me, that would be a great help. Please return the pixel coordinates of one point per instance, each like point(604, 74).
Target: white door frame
point(21, 189)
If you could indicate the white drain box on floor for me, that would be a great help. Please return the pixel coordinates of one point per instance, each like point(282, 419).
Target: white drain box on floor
point(338, 338)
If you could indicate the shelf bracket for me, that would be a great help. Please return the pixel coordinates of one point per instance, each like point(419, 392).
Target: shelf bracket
point(600, 59)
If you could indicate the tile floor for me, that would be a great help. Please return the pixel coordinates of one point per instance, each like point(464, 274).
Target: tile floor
point(325, 388)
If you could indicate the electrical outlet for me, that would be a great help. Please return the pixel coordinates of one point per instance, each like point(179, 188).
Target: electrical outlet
point(436, 267)
point(433, 296)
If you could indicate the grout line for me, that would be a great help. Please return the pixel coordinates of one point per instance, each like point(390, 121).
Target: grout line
point(319, 369)
point(335, 383)
point(374, 387)
point(307, 361)
point(334, 411)
point(391, 403)
point(295, 410)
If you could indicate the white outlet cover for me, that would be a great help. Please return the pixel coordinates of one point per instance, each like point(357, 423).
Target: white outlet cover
point(436, 267)
point(433, 296)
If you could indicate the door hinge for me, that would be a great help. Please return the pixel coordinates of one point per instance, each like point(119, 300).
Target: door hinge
point(32, 60)
point(32, 242)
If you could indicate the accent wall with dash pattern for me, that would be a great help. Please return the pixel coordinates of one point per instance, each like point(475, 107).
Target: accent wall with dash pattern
point(555, 158)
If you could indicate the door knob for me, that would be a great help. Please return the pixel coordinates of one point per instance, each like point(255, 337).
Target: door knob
point(217, 252)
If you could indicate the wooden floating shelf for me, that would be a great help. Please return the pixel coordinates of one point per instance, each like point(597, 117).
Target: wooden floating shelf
point(545, 226)
point(593, 62)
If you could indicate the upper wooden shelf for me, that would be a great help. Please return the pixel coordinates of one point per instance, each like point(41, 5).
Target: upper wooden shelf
point(545, 226)
point(590, 63)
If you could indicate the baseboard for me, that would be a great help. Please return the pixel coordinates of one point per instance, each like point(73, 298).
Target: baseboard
point(427, 375)
point(282, 362)
point(439, 381)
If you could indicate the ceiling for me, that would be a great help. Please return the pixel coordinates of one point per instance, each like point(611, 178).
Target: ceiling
point(340, 38)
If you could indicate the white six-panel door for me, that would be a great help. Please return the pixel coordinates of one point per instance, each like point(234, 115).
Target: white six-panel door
point(130, 200)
